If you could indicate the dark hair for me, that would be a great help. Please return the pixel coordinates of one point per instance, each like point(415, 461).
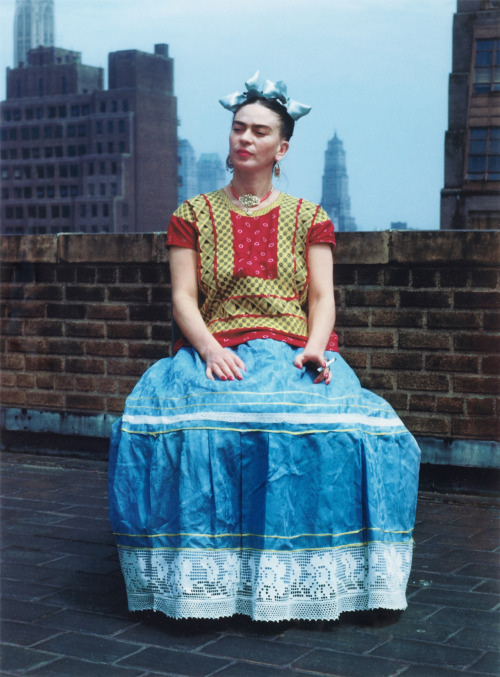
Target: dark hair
point(287, 122)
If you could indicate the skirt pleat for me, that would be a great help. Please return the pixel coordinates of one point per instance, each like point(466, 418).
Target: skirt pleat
point(271, 496)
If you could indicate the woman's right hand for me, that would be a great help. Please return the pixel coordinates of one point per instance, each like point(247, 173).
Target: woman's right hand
point(223, 364)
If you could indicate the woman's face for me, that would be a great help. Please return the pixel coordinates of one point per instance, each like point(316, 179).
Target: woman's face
point(255, 142)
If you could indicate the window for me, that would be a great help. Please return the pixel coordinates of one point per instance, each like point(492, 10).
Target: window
point(125, 105)
point(122, 147)
point(59, 151)
point(72, 151)
point(25, 133)
point(110, 126)
point(73, 191)
point(63, 191)
point(98, 127)
point(40, 172)
point(5, 193)
point(29, 113)
point(102, 189)
point(102, 168)
point(42, 212)
point(13, 153)
point(48, 151)
point(71, 130)
point(32, 212)
point(91, 169)
point(39, 113)
point(111, 147)
point(62, 112)
point(51, 191)
point(5, 173)
point(99, 148)
point(19, 212)
point(35, 153)
point(484, 154)
point(105, 210)
point(121, 126)
point(52, 112)
point(40, 192)
point(66, 211)
point(63, 171)
point(27, 193)
point(4, 155)
point(48, 131)
point(58, 132)
point(94, 211)
point(73, 170)
point(82, 130)
point(83, 210)
point(82, 149)
point(86, 109)
point(75, 111)
point(55, 211)
point(114, 106)
point(103, 107)
point(50, 171)
point(13, 134)
point(26, 153)
point(35, 133)
point(487, 67)
point(17, 193)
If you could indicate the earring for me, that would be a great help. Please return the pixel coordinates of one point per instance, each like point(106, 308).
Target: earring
point(229, 164)
point(277, 169)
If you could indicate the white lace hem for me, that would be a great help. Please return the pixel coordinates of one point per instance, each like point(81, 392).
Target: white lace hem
point(267, 586)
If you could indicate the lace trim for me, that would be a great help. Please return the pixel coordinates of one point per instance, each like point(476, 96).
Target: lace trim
point(309, 585)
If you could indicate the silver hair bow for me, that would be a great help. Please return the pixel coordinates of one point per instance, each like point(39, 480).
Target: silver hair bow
point(270, 90)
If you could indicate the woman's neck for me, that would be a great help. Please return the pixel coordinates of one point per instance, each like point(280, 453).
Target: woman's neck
point(254, 185)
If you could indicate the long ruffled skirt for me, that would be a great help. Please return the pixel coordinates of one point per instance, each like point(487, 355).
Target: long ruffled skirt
point(271, 496)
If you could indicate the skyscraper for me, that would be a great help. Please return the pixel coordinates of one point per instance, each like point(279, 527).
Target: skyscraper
point(335, 198)
point(188, 175)
point(211, 172)
point(470, 197)
point(33, 27)
point(78, 158)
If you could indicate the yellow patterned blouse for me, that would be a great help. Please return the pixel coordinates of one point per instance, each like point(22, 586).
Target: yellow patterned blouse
point(252, 270)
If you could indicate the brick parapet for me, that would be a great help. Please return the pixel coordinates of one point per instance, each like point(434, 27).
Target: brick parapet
point(84, 315)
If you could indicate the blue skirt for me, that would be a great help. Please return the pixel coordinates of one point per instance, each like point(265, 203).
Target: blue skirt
point(271, 496)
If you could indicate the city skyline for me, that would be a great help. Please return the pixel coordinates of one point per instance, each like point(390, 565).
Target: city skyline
point(374, 70)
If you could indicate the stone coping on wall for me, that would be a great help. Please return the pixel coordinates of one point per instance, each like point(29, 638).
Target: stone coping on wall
point(371, 248)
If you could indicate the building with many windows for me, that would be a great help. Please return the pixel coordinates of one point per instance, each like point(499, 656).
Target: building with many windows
point(335, 198)
point(211, 172)
point(188, 174)
point(471, 194)
point(78, 158)
point(33, 27)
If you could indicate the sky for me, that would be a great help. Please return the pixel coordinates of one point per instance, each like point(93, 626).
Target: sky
point(374, 71)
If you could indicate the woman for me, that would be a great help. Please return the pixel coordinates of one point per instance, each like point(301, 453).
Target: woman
point(251, 473)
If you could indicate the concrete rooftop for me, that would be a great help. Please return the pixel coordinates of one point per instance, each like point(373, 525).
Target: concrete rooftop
point(64, 610)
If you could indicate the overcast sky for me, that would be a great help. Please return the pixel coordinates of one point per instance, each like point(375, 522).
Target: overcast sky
point(374, 71)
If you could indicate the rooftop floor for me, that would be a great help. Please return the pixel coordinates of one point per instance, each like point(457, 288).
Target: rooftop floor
point(64, 611)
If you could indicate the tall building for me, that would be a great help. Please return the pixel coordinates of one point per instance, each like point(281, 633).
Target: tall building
point(33, 27)
point(78, 158)
point(471, 194)
point(335, 198)
point(211, 173)
point(188, 172)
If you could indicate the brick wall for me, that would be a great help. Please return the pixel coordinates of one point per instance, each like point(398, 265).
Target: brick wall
point(83, 316)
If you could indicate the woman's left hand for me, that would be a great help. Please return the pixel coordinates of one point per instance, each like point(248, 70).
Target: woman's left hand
point(317, 358)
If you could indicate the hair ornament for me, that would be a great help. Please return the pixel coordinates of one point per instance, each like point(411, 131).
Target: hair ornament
point(269, 90)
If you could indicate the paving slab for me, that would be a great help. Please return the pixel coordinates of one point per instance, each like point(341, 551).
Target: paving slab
point(64, 614)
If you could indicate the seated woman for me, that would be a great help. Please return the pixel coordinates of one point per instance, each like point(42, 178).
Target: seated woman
point(250, 473)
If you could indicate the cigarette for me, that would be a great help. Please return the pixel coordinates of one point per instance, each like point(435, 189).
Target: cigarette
point(327, 364)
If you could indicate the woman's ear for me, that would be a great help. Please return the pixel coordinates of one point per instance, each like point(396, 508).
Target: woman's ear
point(282, 150)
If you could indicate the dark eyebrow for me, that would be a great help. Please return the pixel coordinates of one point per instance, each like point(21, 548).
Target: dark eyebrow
point(259, 127)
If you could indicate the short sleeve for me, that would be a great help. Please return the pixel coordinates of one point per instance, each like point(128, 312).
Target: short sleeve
point(322, 230)
point(182, 230)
